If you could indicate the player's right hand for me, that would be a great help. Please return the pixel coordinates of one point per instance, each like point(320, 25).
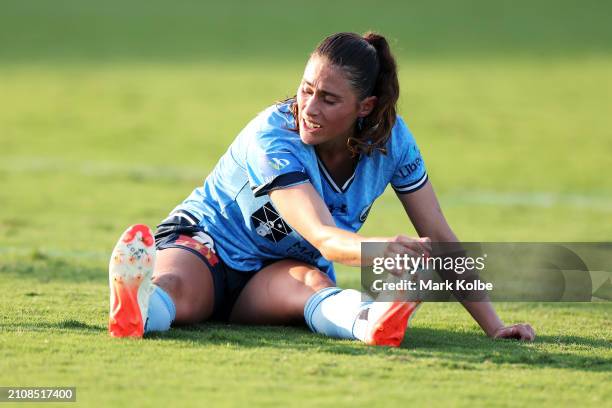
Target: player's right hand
point(403, 244)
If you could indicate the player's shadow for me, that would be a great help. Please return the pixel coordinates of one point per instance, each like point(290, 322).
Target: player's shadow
point(454, 349)
point(63, 325)
point(463, 350)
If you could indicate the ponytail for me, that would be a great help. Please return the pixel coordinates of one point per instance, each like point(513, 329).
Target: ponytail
point(376, 127)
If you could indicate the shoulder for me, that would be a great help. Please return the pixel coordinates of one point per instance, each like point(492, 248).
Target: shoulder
point(272, 128)
point(400, 133)
point(274, 117)
point(401, 140)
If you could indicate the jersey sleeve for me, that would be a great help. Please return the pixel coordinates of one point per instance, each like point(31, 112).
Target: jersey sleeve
point(410, 173)
point(271, 166)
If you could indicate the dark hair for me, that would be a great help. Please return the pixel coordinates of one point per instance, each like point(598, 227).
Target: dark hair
point(371, 69)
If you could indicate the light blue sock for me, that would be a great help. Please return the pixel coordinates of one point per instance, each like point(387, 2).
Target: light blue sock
point(161, 311)
point(333, 312)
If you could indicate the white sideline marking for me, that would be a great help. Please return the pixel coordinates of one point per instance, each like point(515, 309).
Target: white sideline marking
point(100, 168)
point(530, 199)
point(56, 253)
point(598, 202)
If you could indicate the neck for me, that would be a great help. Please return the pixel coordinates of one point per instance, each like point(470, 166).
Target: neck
point(335, 147)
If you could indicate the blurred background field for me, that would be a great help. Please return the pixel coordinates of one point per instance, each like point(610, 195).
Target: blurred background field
point(112, 112)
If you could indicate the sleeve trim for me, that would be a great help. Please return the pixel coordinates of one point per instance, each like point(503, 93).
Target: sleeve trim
point(409, 188)
point(284, 180)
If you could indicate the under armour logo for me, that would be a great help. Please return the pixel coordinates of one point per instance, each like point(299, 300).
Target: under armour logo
point(339, 210)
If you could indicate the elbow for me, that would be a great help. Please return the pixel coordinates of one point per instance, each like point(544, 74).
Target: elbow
point(337, 245)
point(325, 249)
point(332, 256)
point(337, 257)
point(325, 245)
point(335, 250)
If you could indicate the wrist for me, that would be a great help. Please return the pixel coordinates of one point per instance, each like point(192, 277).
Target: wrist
point(492, 331)
point(485, 316)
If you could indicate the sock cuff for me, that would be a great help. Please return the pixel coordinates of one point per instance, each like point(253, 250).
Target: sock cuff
point(165, 297)
point(314, 301)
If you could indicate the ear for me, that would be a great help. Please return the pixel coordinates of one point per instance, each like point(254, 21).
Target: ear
point(366, 106)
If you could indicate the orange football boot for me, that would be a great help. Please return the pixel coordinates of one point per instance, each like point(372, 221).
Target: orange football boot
point(388, 322)
point(129, 272)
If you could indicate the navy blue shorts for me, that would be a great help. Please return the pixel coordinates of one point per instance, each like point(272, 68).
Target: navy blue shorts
point(181, 230)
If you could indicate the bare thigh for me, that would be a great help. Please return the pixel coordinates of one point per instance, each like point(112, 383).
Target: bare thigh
point(278, 293)
point(188, 281)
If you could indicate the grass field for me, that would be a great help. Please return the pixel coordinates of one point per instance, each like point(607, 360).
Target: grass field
point(111, 113)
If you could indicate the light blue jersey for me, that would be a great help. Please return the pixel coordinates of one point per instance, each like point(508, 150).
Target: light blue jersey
point(235, 209)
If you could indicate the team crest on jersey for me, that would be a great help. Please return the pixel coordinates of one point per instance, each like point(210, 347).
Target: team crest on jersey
point(269, 224)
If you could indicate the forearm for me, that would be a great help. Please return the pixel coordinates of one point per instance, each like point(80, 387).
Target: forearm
point(338, 245)
point(482, 312)
point(485, 316)
point(315, 224)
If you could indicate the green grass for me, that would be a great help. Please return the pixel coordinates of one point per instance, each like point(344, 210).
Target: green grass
point(110, 115)
point(54, 333)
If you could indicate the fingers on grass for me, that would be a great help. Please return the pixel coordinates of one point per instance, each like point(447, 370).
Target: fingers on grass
point(523, 332)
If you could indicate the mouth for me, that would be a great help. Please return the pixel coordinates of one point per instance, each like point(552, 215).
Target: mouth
point(310, 126)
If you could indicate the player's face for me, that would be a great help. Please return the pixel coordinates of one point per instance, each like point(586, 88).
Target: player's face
point(328, 106)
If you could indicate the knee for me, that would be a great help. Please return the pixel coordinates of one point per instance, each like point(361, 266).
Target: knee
point(317, 280)
point(187, 309)
point(172, 284)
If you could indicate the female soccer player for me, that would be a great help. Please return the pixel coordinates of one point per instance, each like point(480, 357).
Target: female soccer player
point(256, 243)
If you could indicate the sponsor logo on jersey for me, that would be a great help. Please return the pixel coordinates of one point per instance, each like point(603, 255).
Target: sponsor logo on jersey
point(269, 224)
point(411, 167)
point(303, 253)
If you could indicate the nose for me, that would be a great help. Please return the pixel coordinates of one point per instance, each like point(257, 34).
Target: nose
point(311, 108)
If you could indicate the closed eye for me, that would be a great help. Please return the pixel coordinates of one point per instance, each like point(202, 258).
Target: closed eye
point(307, 90)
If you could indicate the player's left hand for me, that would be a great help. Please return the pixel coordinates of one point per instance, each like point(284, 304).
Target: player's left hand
point(521, 331)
